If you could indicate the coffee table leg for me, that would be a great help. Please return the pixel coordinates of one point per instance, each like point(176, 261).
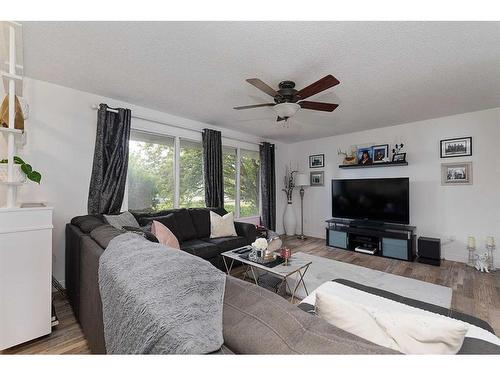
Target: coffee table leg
point(300, 280)
point(245, 272)
point(254, 277)
point(228, 269)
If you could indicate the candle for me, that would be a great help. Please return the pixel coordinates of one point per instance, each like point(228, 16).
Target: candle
point(490, 241)
point(471, 242)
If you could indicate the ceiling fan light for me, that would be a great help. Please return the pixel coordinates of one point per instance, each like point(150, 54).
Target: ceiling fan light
point(285, 110)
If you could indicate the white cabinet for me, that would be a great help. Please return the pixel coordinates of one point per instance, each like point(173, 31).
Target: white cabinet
point(25, 274)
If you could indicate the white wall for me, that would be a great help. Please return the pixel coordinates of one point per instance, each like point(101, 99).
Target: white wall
point(61, 135)
point(437, 211)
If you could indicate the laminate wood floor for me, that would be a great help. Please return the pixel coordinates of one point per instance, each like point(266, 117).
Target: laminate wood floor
point(474, 293)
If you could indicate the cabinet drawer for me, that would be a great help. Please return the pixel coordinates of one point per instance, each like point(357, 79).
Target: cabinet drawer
point(337, 239)
point(395, 248)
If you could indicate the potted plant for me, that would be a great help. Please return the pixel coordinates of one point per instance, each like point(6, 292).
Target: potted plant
point(22, 170)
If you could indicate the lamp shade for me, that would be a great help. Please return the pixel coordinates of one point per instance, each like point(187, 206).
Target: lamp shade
point(301, 179)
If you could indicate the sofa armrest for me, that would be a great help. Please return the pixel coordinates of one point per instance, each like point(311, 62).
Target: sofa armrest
point(246, 230)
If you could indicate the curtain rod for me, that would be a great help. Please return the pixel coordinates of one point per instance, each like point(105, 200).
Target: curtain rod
point(96, 107)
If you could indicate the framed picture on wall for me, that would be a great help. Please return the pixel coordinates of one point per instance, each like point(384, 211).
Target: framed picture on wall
point(456, 147)
point(317, 178)
point(399, 158)
point(456, 173)
point(365, 155)
point(317, 161)
point(380, 153)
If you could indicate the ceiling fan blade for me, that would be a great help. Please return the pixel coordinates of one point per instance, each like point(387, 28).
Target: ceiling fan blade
point(318, 106)
point(318, 86)
point(255, 106)
point(262, 86)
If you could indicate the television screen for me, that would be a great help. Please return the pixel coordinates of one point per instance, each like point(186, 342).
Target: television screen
point(377, 199)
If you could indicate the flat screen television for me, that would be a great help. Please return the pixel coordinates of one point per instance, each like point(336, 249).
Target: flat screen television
point(375, 199)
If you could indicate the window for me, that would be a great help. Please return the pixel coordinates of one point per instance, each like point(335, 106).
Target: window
point(150, 172)
point(157, 180)
point(229, 170)
point(249, 183)
point(192, 187)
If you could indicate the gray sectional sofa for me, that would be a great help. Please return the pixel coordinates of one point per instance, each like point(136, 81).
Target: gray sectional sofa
point(255, 320)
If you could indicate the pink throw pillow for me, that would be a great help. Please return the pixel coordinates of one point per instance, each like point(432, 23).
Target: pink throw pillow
point(164, 235)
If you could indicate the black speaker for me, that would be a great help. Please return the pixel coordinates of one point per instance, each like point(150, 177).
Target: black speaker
point(429, 251)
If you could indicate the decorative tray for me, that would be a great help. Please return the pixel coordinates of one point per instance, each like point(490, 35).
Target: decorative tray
point(266, 263)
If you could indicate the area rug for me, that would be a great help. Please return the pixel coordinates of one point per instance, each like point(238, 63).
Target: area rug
point(323, 269)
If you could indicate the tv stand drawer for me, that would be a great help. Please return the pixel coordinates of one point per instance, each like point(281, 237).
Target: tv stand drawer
point(337, 239)
point(395, 248)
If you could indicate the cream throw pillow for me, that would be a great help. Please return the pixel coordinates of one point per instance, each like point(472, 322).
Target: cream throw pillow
point(222, 226)
point(406, 333)
point(418, 334)
point(164, 235)
point(352, 318)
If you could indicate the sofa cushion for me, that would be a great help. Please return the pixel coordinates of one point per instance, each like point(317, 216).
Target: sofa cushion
point(227, 243)
point(185, 225)
point(201, 219)
point(179, 223)
point(87, 223)
point(105, 233)
point(125, 219)
point(202, 249)
point(146, 217)
point(258, 321)
point(142, 232)
point(171, 223)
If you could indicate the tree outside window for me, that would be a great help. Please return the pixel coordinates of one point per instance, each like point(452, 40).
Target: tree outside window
point(150, 173)
point(192, 186)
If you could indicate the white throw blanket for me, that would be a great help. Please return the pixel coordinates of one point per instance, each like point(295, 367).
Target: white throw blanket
point(384, 304)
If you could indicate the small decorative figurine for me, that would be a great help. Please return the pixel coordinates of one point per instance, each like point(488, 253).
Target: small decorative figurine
point(482, 263)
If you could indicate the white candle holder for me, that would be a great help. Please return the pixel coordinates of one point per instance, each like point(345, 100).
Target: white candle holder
point(491, 262)
point(472, 256)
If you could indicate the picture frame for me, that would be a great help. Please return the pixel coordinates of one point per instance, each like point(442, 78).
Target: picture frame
point(317, 178)
point(455, 147)
point(380, 153)
point(365, 155)
point(399, 158)
point(456, 173)
point(317, 161)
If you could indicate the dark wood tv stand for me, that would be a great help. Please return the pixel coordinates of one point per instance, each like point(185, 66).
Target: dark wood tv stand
point(389, 240)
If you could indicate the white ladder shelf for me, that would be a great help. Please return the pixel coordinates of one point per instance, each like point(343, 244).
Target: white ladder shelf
point(13, 83)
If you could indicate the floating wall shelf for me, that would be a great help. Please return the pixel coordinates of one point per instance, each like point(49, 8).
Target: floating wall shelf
point(375, 165)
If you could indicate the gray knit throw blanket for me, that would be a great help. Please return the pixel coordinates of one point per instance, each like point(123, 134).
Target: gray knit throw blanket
point(159, 300)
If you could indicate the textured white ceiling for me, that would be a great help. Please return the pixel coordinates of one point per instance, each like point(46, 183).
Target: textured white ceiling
point(390, 72)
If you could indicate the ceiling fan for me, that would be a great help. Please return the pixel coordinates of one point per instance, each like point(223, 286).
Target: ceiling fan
point(287, 100)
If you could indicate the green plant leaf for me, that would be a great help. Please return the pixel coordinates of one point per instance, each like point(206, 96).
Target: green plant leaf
point(18, 160)
point(35, 177)
point(27, 169)
point(3, 161)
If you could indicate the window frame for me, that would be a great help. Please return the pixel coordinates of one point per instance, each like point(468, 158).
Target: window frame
point(177, 150)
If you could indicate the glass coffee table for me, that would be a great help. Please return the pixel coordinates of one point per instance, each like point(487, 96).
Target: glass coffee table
point(295, 267)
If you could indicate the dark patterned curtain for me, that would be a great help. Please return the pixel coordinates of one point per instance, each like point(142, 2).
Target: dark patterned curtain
point(268, 185)
point(212, 161)
point(109, 171)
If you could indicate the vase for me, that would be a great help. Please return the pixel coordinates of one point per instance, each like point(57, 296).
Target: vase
point(289, 220)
